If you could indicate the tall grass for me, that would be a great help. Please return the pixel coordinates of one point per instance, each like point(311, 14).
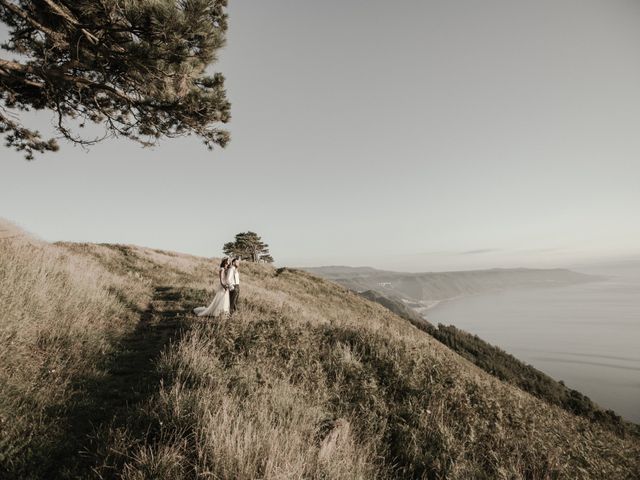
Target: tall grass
point(308, 381)
point(60, 313)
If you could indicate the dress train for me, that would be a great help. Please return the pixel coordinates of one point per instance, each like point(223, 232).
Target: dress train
point(219, 304)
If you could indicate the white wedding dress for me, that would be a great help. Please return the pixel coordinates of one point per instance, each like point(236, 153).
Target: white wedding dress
point(219, 304)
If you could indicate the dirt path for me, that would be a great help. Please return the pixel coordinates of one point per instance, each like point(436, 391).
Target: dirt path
point(130, 379)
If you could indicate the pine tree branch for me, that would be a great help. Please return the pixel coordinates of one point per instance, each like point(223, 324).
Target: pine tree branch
point(56, 73)
point(138, 68)
point(60, 10)
point(31, 21)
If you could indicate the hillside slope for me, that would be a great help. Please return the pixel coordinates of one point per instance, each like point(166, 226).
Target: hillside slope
point(506, 367)
point(308, 381)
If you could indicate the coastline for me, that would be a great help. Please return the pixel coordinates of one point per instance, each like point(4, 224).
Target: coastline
point(563, 332)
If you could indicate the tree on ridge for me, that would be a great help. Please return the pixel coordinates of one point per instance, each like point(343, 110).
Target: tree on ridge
point(248, 246)
point(137, 68)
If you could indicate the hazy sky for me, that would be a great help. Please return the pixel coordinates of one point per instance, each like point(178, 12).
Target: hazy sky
point(414, 135)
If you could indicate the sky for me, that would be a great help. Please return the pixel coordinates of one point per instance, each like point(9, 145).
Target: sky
point(406, 135)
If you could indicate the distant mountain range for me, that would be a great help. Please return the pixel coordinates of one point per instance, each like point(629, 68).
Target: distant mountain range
point(421, 291)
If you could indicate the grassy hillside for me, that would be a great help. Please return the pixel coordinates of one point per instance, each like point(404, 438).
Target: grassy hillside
point(507, 368)
point(308, 381)
point(397, 306)
point(60, 314)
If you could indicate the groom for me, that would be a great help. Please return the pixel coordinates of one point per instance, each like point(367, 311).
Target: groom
point(233, 278)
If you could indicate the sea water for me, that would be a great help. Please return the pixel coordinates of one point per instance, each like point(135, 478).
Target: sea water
point(587, 335)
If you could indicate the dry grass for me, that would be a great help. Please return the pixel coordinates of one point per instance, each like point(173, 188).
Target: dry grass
point(59, 315)
point(312, 381)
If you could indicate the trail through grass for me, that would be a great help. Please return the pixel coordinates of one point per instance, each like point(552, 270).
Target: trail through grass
point(114, 400)
point(108, 375)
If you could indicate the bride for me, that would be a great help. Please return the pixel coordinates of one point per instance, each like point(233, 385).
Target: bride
point(220, 302)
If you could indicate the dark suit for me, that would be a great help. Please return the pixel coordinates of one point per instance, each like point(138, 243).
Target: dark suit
point(233, 277)
point(233, 298)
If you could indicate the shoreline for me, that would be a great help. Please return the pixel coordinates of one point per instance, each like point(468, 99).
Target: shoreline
point(612, 385)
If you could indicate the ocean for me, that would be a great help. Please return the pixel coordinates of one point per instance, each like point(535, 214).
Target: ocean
point(587, 335)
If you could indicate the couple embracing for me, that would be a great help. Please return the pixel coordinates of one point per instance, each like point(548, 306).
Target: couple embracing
point(225, 300)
